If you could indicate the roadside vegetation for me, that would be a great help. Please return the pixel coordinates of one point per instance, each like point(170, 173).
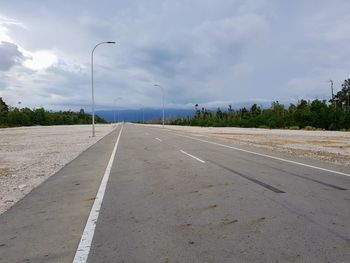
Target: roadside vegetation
point(14, 117)
point(308, 115)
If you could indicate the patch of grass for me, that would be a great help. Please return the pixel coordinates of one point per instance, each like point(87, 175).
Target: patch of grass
point(295, 127)
point(309, 128)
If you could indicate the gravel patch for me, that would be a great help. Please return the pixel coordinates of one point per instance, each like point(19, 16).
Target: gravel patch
point(328, 146)
point(30, 155)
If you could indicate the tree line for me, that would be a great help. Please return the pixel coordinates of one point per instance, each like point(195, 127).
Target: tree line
point(312, 114)
point(13, 117)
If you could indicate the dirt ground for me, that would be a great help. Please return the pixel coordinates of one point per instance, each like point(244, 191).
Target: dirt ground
point(29, 155)
point(329, 146)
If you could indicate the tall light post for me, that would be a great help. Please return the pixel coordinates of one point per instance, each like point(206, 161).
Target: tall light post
point(114, 111)
point(331, 81)
point(156, 85)
point(115, 102)
point(143, 113)
point(92, 84)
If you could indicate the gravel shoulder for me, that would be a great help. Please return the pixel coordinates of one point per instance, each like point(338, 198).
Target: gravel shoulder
point(30, 155)
point(329, 146)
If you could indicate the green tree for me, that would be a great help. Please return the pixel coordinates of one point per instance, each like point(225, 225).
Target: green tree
point(4, 109)
point(198, 112)
point(343, 96)
point(219, 114)
point(302, 115)
point(255, 110)
point(306, 113)
point(230, 111)
point(11, 116)
point(319, 114)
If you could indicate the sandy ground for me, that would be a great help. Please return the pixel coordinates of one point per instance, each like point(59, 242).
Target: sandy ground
point(329, 146)
point(29, 155)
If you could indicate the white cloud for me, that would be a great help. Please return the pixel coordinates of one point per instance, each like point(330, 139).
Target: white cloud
point(40, 60)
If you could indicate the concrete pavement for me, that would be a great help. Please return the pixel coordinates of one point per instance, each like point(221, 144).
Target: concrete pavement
point(164, 206)
point(171, 198)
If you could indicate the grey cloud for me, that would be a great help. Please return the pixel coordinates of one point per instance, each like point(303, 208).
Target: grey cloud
point(201, 52)
point(9, 56)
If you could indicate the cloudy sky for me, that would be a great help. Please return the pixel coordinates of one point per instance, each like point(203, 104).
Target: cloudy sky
point(207, 52)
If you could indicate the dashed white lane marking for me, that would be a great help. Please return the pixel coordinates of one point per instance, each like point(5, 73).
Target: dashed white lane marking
point(158, 139)
point(194, 157)
point(265, 155)
point(83, 250)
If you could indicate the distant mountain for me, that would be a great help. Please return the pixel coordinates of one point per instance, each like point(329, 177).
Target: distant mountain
point(149, 114)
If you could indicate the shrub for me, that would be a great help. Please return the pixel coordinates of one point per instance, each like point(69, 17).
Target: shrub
point(309, 128)
point(295, 127)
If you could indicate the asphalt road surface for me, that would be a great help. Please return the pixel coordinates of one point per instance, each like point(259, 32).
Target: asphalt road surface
point(154, 195)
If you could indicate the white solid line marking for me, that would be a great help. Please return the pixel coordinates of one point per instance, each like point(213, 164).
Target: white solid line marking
point(265, 155)
point(194, 157)
point(158, 139)
point(83, 250)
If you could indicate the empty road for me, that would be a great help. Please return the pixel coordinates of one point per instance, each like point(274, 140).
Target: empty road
point(146, 194)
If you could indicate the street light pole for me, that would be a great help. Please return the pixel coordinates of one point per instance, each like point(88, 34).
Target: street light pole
point(143, 113)
point(331, 81)
point(92, 84)
point(115, 104)
point(156, 85)
point(114, 111)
